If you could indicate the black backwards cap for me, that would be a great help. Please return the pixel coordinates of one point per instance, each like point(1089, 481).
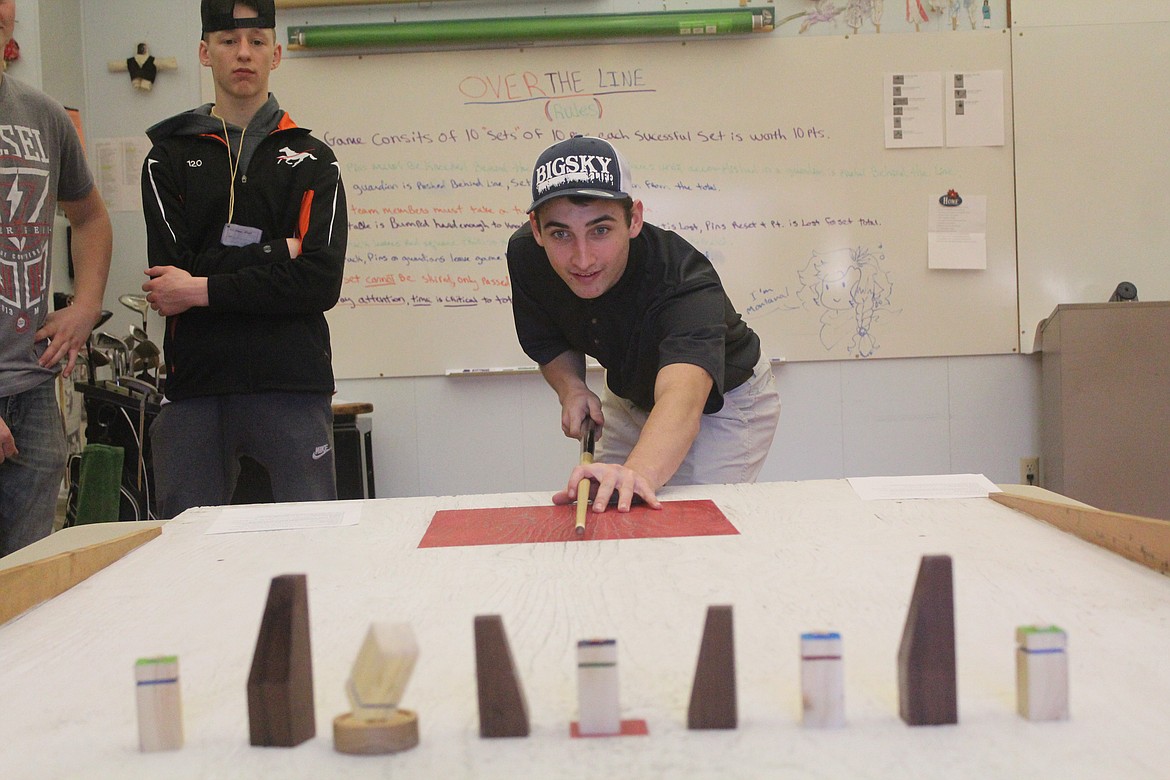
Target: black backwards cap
point(581, 165)
point(220, 15)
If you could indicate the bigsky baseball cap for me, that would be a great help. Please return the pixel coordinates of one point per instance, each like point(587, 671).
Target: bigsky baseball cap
point(220, 15)
point(581, 165)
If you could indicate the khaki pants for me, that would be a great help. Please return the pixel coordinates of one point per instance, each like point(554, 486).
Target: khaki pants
point(732, 443)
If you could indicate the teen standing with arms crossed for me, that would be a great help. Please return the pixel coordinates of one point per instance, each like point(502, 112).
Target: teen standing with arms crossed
point(246, 233)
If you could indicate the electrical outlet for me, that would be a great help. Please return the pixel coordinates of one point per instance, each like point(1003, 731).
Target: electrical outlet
point(1030, 471)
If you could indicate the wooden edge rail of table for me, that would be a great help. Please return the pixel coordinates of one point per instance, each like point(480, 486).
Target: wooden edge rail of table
point(1144, 540)
point(36, 580)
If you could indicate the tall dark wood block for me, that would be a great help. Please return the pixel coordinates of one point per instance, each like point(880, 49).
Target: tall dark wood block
point(927, 690)
point(280, 685)
point(503, 711)
point(713, 700)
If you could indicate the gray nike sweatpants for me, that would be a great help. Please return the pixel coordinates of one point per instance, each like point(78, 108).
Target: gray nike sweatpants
point(196, 446)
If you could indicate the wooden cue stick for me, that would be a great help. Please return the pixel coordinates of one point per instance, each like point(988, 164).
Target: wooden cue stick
point(583, 494)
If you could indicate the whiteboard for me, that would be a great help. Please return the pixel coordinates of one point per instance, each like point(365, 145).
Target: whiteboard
point(1093, 155)
point(766, 152)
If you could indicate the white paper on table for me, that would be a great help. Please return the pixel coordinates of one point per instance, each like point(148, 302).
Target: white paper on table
point(283, 517)
point(936, 486)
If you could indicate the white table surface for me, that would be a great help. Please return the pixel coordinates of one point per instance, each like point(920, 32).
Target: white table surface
point(810, 556)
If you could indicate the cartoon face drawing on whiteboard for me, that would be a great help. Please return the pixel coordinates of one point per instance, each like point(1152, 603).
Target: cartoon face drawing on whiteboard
point(837, 288)
point(851, 289)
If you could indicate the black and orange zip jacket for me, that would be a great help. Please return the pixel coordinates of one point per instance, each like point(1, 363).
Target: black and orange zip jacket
point(264, 329)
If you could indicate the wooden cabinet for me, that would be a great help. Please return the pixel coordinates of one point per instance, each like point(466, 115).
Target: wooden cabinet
point(1105, 412)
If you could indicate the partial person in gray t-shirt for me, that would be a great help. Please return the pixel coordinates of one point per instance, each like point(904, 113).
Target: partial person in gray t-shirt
point(42, 165)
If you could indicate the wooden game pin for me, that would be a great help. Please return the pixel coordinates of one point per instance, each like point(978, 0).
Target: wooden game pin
point(597, 693)
point(376, 683)
point(599, 710)
point(713, 695)
point(503, 710)
point(927, 691)
point(1041, 673)
point(280, 684)
point(160, 710)
point(822, 680)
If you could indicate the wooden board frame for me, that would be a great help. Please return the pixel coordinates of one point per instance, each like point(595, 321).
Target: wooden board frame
point(32, 583)
point(1144, 540)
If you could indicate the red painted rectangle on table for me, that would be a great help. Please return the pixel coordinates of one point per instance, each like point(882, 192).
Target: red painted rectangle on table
point(630, 728)
point(532, 524)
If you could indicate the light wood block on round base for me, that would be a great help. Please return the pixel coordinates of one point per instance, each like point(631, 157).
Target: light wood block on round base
point(375, 737)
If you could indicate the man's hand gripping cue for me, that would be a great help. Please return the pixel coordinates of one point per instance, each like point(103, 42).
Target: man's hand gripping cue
point(610, 482)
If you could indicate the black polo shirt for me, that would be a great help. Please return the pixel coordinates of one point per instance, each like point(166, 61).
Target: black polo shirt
point(668, 307)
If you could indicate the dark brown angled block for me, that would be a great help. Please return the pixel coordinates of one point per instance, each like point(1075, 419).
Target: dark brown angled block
point(280, 685)
point(503, 711)
point(713, 703)
point(927, 693)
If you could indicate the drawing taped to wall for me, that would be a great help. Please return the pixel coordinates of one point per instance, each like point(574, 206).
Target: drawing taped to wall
point(834, 17)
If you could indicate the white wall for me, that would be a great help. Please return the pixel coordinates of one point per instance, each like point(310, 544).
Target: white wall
point(440, 436)
point(27, 33)
point(61, 55)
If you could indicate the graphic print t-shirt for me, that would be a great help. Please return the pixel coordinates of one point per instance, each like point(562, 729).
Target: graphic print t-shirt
point(41, 162)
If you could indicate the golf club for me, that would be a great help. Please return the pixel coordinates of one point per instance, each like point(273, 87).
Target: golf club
point(116, 349)
point(105, 315)
point(145, 359)
point(136, 303)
